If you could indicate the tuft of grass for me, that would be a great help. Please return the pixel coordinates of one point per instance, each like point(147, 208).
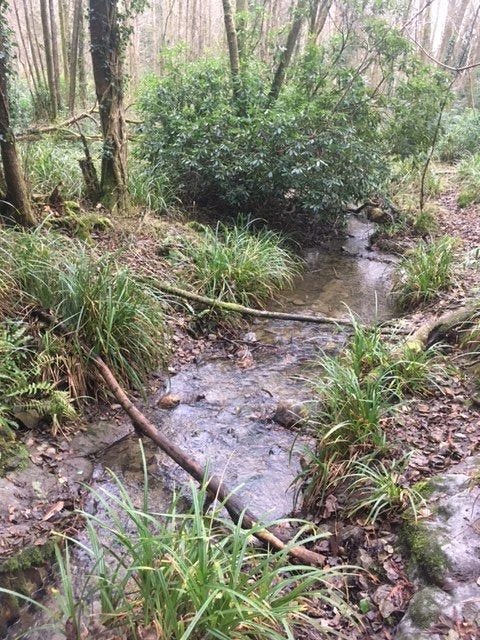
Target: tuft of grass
point(189, 575)
point(49, 163)
point(237, 264)
point(104, 307)
point(379, 489)
point(469, 177)
point(148, 187)
point(353, 394)
point(424, 272)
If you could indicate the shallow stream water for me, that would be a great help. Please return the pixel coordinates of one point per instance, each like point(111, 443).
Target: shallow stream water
point(224, 417)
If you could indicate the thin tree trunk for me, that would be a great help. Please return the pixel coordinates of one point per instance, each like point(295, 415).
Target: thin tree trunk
point(82, 74)
point(77, 16)
point(16, 197)
point(322, 16)
point(287, 53)
point(242, 26)
point(37, 42)
point(108, 75)
point(29, 62)
point(55, 56)
point(47, 43)
point(62, 18)
point(34, 54)
point(233, 52)
point(454, 18)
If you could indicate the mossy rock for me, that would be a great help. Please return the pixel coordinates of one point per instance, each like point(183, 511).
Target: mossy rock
point(23, 573)
point(426, 551)
point(13, 455)
point(426, 606)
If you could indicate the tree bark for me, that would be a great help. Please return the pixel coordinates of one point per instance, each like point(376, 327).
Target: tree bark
point(74, 54)
point(65, 46)
point(47, 43)
point(453, 20)
point(108, 75)
point(232, 41)
point(55, 56)
point(242, 26)
point(287, 53)
point(19, 208)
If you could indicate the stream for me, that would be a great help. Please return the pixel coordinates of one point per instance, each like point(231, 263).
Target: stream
point(224, 417)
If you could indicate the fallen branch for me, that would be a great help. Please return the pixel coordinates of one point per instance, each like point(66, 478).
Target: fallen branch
point(214, 485)
point(247, 311)
point(445, 327)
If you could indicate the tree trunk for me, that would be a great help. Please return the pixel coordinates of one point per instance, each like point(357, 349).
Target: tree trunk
point(242, 26)
point(62, 18)
point(453, 20)
point(77, 16)
point(47, 43)
point(82, 74)
point(107, 72)
point(287, 53)
point(55, 56)
point(16, 197)
point(322, 16)
point(233, 52)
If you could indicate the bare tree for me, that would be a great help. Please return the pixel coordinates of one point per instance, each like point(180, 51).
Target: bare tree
point(232, 41)
point(106, 50)
point(287, 53)
point(47, 44)
point(55, 56)
point(74, 54)
point(16, 197)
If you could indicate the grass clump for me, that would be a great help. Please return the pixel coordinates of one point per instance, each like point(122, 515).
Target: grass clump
point(424, 272)
point(103, 307)
point(469, 176)
point(238, 264)
point(189, 575)
point(353, 394)
point(50, 163)
point(379, 489)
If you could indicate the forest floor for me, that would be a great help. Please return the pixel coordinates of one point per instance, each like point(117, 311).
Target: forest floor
point(443, 429)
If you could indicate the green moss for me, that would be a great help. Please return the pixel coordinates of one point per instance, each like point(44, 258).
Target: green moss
point(13, 455)
point(426, 551)
point(27, 558)
point(426, 606)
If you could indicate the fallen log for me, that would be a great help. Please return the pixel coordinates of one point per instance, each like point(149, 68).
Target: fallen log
point(445, 327)
point(214, 485)
point(247, 311)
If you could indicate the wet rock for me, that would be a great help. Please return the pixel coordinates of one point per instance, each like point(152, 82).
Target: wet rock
point(445, 558)
point(169, 401)
point(290, 413)
point(375, 214)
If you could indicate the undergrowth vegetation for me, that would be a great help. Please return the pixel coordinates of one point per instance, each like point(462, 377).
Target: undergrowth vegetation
point(469, 179)
point(461, 135)
point(190, 574)
point(353, 395)
point(424, 272)
point(98, 306)
point(237, 263)
point(51, 163)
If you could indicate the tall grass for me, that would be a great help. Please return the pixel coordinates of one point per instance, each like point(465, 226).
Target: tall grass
point(104, 306)
point(469, 177)
point(353, 393)
point(238, 264)
point(424, 272)
point(49, 163)
point(189, 575)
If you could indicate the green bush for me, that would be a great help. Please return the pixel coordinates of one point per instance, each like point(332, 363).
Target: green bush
point(461, 137)
point(424, 272)
point(301, 154)
point(469, 175)
point(238, 264)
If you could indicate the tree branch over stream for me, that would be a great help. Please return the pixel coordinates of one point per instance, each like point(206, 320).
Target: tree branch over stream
point(247, 311)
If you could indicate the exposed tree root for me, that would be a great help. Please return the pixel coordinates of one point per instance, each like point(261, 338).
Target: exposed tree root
point(247, 311)
point(214, 485)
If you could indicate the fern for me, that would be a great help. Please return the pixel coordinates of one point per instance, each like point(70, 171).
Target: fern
point(21, 385)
